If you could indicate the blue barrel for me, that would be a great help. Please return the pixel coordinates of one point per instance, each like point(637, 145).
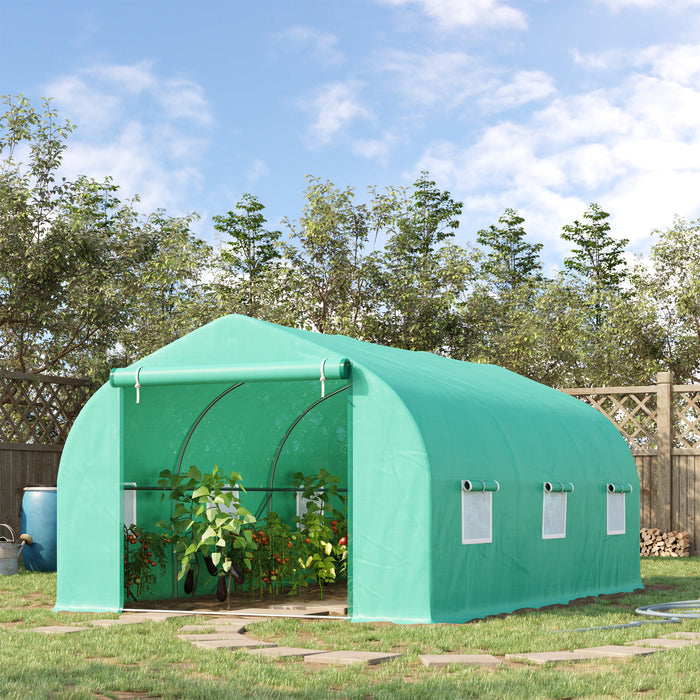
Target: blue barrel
point(38, 520)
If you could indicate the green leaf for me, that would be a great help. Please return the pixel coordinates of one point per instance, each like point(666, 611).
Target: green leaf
point(201, 491)
point(180, 510)
point(208, 534)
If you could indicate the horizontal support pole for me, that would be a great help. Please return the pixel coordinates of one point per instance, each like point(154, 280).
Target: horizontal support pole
point(331, 368)
point(265, 489)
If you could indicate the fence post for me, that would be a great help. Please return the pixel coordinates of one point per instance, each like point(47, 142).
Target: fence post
point(661, 498)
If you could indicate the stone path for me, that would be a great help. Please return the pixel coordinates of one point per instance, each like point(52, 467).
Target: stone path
point(229, 633)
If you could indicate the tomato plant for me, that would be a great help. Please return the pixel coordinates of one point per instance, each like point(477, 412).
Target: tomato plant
point(144, 553)
point(325, 518)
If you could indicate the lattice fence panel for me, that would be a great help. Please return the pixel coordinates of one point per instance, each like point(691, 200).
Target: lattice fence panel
point(686, 406)
point(634, 415)
point(37, 409)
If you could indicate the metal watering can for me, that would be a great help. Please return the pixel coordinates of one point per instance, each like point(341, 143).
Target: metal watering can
point(9, 553)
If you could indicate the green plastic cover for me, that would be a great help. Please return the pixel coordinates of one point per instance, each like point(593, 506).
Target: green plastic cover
point(403, 431)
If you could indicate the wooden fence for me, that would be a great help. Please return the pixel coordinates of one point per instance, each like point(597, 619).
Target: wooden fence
point(661, 424)
point(36, 413)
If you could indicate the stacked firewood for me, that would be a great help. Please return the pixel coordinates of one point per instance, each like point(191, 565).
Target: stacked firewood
point(657, 543)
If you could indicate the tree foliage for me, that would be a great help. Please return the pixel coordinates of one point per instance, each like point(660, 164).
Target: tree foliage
point(87, 282)
point(84, 279)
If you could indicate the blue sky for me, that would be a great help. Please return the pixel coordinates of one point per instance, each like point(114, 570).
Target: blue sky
point(543, 106)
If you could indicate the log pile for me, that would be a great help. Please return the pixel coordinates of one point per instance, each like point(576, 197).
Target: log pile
point(657, 543)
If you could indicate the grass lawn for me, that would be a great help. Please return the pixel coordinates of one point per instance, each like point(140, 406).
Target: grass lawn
point(149, 661)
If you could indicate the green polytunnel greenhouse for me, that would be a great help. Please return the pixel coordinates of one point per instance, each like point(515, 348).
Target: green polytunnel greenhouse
point(471, 490)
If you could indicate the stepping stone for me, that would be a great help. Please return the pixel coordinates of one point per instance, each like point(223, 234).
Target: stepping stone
point(232, 627)
point(293, 610)
point(137, 618)
point(682, 635)
point(57, 629)
point(616, 651)
point(666, 643)
point(284, 652)
point(344, 658)
point(155, 616)
point(556, 657)
point(234, 642)
point(120, 621)
point(441, 660)
point(212, 635)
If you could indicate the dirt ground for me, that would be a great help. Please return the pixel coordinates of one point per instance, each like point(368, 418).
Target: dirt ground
point(334, 593)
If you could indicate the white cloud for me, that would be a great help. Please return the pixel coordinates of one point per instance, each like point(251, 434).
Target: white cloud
point(445, 78)
point(144, 130)
point(257, 170)
point(134, 79)
point(469, 13)
point(184, 99)
point(84, 101)
point(375, 149)
point(321, 47)
point(335, 107)
point(618, 5)
point(633, 147)
point(526, 86)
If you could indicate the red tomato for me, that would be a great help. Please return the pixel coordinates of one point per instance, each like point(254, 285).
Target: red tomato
point(343, 541)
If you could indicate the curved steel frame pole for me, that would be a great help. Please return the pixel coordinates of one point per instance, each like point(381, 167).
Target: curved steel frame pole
point(284, 440)
point(268, 500)
point(199, 420)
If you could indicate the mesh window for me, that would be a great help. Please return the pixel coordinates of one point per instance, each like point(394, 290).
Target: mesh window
point(616, 514)
point(554, 516)
point(303, 503)
point(476, 517)
point(129, 506)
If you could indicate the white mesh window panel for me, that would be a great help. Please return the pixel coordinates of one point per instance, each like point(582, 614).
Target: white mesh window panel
point(303, 503)
point(554, 516)
point(476, 517)
point(232, 510)
point(616, 514)
point(129, 505)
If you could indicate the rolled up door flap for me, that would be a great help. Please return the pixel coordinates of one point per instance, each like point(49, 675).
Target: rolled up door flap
point(330, 368)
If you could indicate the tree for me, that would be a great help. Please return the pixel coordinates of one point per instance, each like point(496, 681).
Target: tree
point(71, 255)
point(510, 260)
point(328, 270)
point(670, 285)
point(249, 256)
point(420, 275)
point(167, 295)
point(597, 259)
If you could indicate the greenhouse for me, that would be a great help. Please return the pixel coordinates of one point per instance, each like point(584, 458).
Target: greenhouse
point(471, 490)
